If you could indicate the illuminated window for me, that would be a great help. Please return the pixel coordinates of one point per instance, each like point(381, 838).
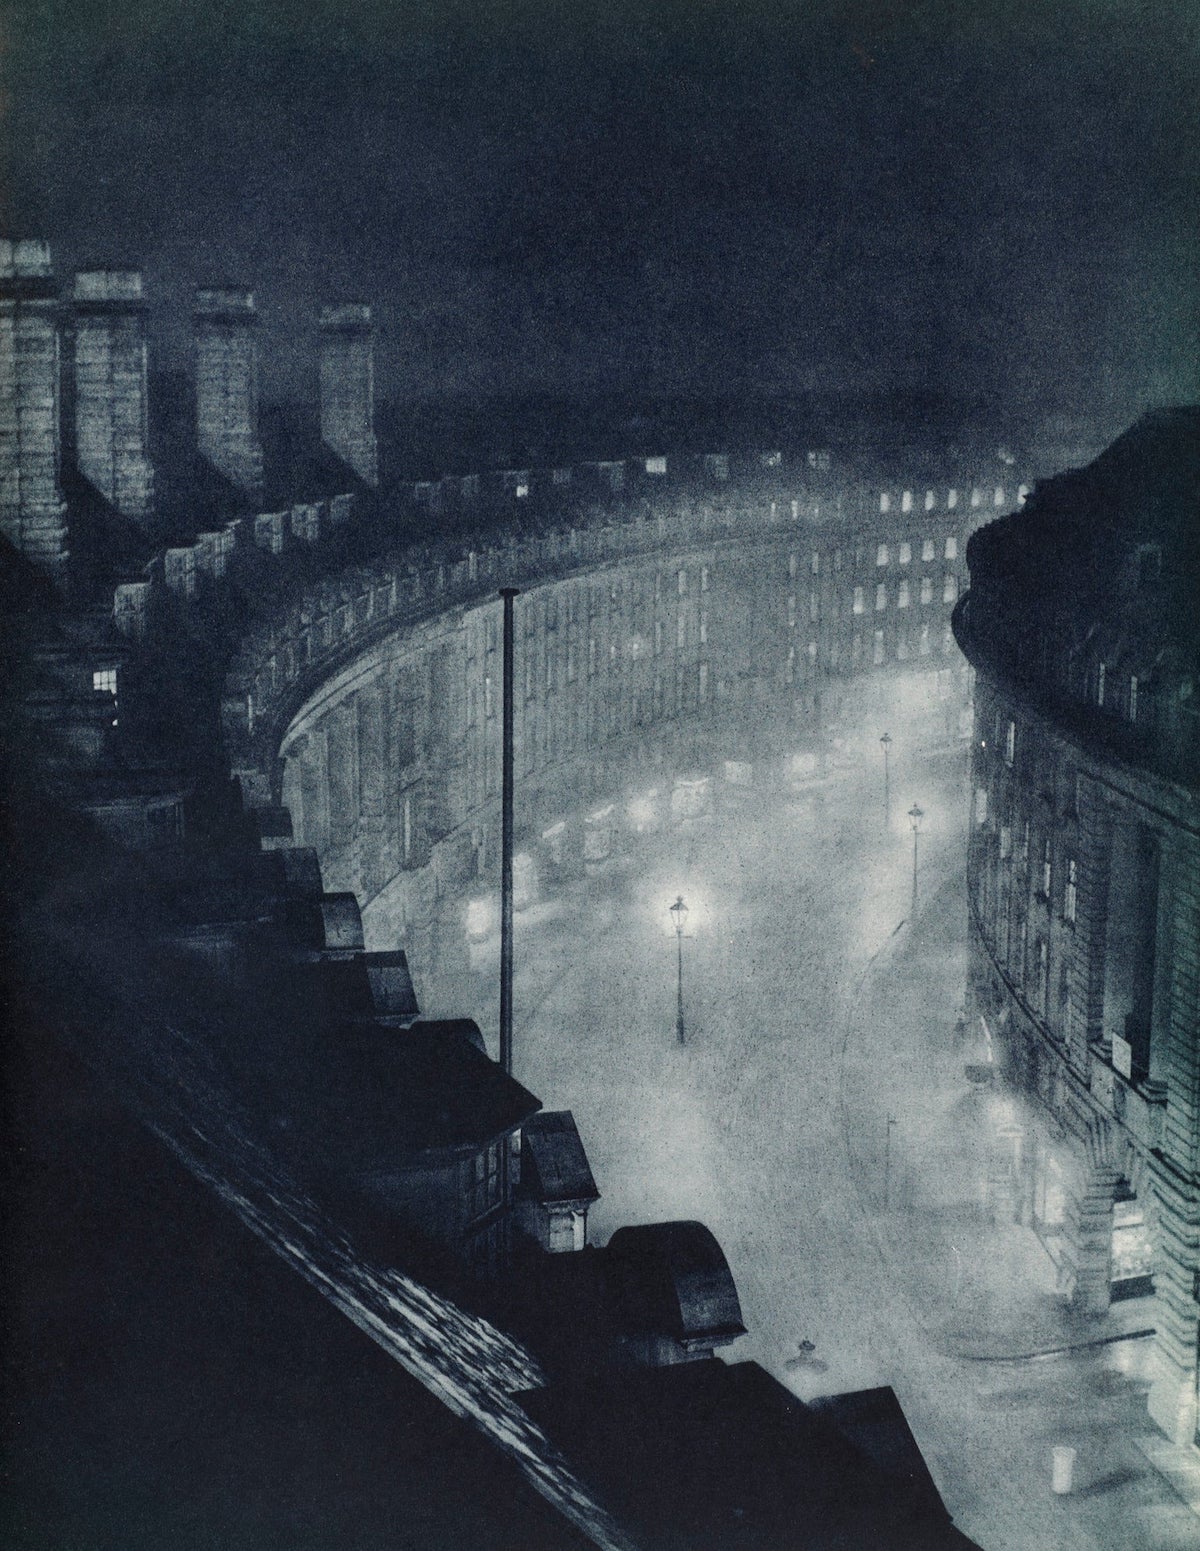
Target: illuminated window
point(1133, 694)
point(881, 555)
point(952, 499)
point(792, 611)
point(1005, 842)
point(1071, 892)
point(1010, 743)
point(877, 649)
point(704, 627)
point(926, 549)
point(815, 563)
point(104, 681)
point(703, 578)
point(902, 596)
point(656, 465)
point(998, 497)
point(906, 501)
point(812, 651)
point(949, 588)
point(905, 553)
point(930, 500)
point(926, 589)
point(681, 582)
point(1047, 867)
point(885, 501)
point(521, 492)
point(924, 640)
point(859, 603)
point(951, 547)
point(814, 606)
point(880, 597)
point(791, 565)
point(791, 664)
point(976, 497)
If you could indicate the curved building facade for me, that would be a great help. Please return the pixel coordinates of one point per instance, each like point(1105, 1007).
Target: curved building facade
point(1084, 875)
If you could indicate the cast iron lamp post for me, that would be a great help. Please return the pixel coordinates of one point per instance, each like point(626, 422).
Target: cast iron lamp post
point(885, 743)
point(916, 815)
point(679, 912)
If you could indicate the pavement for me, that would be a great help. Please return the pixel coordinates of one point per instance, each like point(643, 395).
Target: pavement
point(986, 1287)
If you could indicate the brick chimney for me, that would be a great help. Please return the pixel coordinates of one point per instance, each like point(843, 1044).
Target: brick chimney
point(227, 385)
point(111, 438)
point(348, 388)
point(32, 509)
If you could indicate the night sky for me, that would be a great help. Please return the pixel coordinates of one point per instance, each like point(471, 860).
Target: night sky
point(974, 198)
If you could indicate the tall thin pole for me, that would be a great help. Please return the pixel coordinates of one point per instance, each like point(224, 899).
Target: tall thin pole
point(916, 814)
point(886, 743)
point(914, 898)
point(679, 985)
point(506, 840)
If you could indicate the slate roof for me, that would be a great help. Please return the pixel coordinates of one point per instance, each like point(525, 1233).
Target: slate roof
point(554, 1165)
point(386, 1094)
point(721, 1457)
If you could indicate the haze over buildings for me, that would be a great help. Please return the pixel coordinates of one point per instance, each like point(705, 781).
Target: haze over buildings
point(991, 201)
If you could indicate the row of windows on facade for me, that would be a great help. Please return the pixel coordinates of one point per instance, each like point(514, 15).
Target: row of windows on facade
point(858, 601)
point(978, 498)
point(1016, 848)
point(883, 555)
point(903, 649)
point(551, 734)
point(542, 613)
point(545, 676)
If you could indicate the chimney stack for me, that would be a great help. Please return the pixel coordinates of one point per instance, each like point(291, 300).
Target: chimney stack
point(227, 385)
point(348, 388)
point(111, 412)
point(32, 509)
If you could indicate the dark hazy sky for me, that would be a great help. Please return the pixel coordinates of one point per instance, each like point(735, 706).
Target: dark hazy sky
point(972, 196)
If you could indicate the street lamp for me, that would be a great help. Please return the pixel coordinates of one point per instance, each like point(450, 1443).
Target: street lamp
point(916, 815)
point(885, 744)
point(679, 912)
